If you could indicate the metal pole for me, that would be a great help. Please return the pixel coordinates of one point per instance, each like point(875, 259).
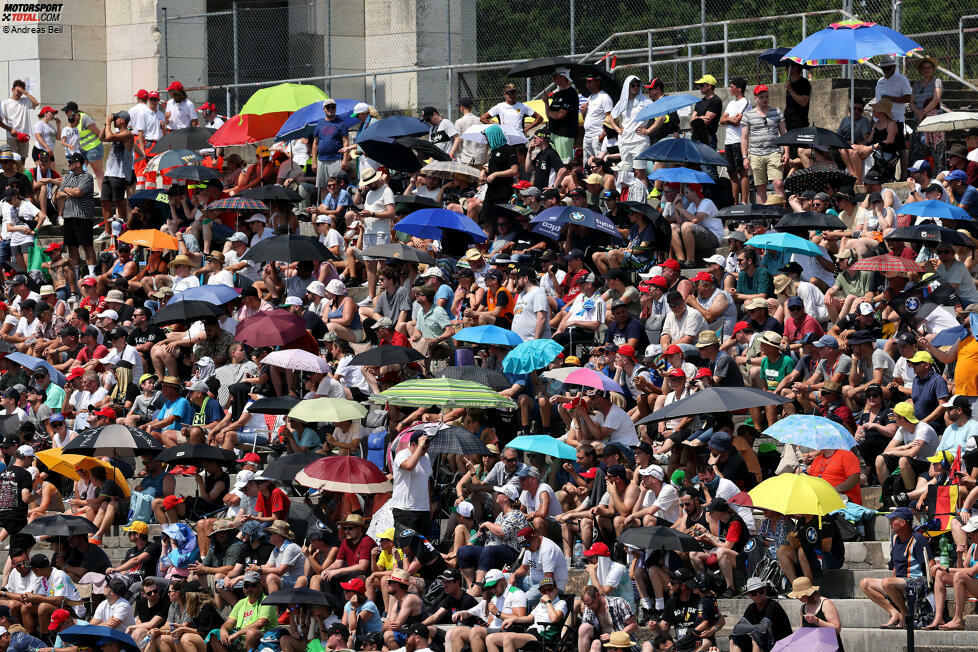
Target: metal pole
point(166, 46)
point(689, 64)
point(234, 45)
point(726, 57)
point(448, 48)
point(373, 92)
point(573, 33)
point(227, 101)
point(329, 46)
point(774, 69)
point(702, 34)
point(528, 89)
point(650, 56)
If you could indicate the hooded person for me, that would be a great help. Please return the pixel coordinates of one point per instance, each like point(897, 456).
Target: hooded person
point(631, 133)
point(501, 172)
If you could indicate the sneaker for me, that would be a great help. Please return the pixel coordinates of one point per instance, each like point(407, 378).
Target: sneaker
point(729, 593)
point(177, 470)
point(366, 302)
point(94, 541)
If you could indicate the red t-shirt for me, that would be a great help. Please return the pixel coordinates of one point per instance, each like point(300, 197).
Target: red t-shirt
point(836, 469)
point(278, 502)
point(352, 556)
point(100, 351)
point(795, 331)
point(397, 339)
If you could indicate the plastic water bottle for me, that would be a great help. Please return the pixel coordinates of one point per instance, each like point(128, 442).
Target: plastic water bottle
point(578, 557)
point(945, 552)
point(143, 642)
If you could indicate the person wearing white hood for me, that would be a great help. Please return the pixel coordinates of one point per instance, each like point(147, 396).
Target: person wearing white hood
point(630, 104)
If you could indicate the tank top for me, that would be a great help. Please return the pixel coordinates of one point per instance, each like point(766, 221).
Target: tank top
point(879, 136)
point(155, 483)
point(727, 319)
point(820, 615)
point(337, 313)
point(120, 161)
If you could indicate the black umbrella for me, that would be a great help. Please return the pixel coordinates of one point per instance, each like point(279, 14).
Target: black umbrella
point(514, 209)
point(775, 57)
point(59, 525)
point(196, 455)
point(540, 66)
point(273, 405)
point(392, 155)
point(481, 375)
point(416, 201)
point(715, 399)
point(425, 147)
point(930, 235)
point(110, 440)
point(285, 468)
point(452, 440)
point(184, 311)
point(818, 178)
point(812, 137)
point(658, 537)
point(289, 248)
point(194, 173)
point(399, 251)
point(581, 71)
point(187, 138)
point(381, 356)
point(271, 193)
point(748, 212)
point(810, 220)
point(662, 229)
point(303, 597)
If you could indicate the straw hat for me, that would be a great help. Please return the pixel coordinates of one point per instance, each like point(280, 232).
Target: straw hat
point(922, 60)
point(369, 176)
point(802, 587)
point(281, 527)
point(782, 282)
point(400, 575)
point(883, 106)
point(354, 519)
point(181, 260)
point(619, 639)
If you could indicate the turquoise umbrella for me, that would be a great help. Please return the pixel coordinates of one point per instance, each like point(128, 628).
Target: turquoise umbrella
point(489, 334)
point(544, 445)
point(530, 356)
point(811, 431)
point(786, 243)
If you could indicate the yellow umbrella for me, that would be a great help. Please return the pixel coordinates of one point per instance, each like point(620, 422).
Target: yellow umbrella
point(792, 493)
point(87, 463)
point(56, 463)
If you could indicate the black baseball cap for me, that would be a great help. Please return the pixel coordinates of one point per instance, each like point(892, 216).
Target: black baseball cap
point(467, 102)
point(645, 447)
point(70, 106)
point(551, 193)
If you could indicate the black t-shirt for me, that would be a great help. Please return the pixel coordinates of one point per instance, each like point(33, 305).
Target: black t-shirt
point(680, 613)
point(796, 115)
point(544, 162)
point(314, 324)
point(452, 605)
point(669, 126)
point(811, 536)
point(743, 534)
point(567, 100)
point(725, 367)
point(734, 468)
point(19, 181)
point(152, 334)
point(258, 555)
point(147, 567)
point(770, 324)
point(710, 105)
point(93, 559)
point(111, 489)
point(709, 610)
point(501, 188)
point(12, 483)
point(780, 625)
point(145, 613)
point(850, 322)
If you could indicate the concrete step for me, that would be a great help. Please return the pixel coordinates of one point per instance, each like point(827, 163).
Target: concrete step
point(859, 613)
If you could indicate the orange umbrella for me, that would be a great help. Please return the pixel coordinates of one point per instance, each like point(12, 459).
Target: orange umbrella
point(151, 238)
point(87, 463)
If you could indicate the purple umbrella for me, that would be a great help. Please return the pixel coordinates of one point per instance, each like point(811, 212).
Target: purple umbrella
point(809, 639)
point(298, 360)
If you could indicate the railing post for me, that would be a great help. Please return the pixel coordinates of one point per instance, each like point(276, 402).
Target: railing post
point(373, 92)
point(726, 54)
point(774, 69)
point(650, 55)
point(528, 90)
point(329, 46)
point(689, 63)
point(166, 47)
point(573, 33)
point(227, 101)
point(960, 47)
point(703, 33)
point(234, 45)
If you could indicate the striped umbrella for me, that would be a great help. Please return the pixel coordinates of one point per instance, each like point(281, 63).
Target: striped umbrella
point(236, 204)
point(173, 158)
point(448, 170)
point(887, 264)
point(443, 392)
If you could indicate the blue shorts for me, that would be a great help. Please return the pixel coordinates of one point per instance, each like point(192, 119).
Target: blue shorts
point(400, 638)
point(252, 437)
point(97, 153)
point(221, 231)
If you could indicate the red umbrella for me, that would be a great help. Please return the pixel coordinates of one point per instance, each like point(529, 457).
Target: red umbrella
point(887, 264)
point(272, 328)
point(248, 128)
point(345, 474)
point(743, 499)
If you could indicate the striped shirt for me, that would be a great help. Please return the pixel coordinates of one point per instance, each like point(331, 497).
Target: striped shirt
point(762, 130)
point(83, 206)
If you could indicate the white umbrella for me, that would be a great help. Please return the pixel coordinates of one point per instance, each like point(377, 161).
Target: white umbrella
point(476, 133)
point(298, 360)
point(951, 121)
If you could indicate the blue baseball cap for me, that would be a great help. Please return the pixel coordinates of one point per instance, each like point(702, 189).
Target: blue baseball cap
point(827, 341)
point(957, 175)
point(57, 417)
point(796, 302)
point(721, 441)
point(901, 512)
point(810, 338)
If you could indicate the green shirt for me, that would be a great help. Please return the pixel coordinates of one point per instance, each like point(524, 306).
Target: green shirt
point(245, 613)
point(858, 286)
point(55, 397)
point(774, 371)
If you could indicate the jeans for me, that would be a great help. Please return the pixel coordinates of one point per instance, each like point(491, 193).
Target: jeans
point(486, 557)
point(531, 590)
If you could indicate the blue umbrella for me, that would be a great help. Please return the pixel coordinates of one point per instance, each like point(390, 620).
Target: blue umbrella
point(158, 196)
point(90, 635)
point(950, 336)
point(429, 222)
point(682, 150)
point(544, 445)
point(393, 127)
point(216, 294)
point(811, 431)
point(550, 221)
point(530, 356)
point(680, 175)
point(665, 106)
point(490, 334)
point(937, 209)
point(306, 120)
point(784, 242)
point(33, 363)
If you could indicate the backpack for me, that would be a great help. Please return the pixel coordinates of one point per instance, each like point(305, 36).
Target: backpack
point(432, 597)
point(141, 507)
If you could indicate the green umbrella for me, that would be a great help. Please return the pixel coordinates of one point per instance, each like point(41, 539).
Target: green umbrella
point(443, 392)
point(327, 410)
point(282, 97)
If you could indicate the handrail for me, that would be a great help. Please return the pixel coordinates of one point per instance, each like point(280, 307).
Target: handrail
point(961, 44)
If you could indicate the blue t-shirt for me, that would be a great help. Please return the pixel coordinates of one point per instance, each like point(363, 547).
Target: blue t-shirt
point(445, 292)
point(374, 623)
point(212, 411)
point(330, 135)
point(181, 409)
point(907, 558)
point(968, 201)
point(309, 439)
point(342, 198)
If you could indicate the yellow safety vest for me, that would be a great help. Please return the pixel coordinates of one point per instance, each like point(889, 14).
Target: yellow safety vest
point(86, 138)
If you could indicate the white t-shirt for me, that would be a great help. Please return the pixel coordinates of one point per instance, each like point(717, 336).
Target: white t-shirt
point(622, 428)
point(222, 277)
point(181, 114)
point(411, 487)
point(505, 604)
point(549, 558)
point(598, 106)
point(140, 116)
point(69, 135)
point(939, 320)
point(585, 309)
point(17, 583)
point(727, 490)
point(17, 114)
point(668, 503)
point(376, 201)
point(532, 502)
point(708, 208)
point(732, 132)
point(185, 283)
point(511, 115)
point(121, 609)
point(17, 217)
point(443, 134)
point(333, 238)
point(896, 86)
point(924, 433)
point(328, 387)
point(615, 574)
point(528, 305)
point(153, 127)
point(692, 322)
point(44, 132)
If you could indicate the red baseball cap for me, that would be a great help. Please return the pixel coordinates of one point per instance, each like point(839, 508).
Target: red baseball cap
point(696, 187)
point(672, 349)
point(169, 502)
point(590, 473)
point(739, 326)
point(627, 350)
point(654, 83)
point(40, 114)
point(89, 280)
point(105, 412)
point(75, 372)
point(597, 550)
point(704, 276)
point(522, 184)
point(677, 373)
point(57, 618)
point(672, 264)
point(760, 88)
point(703, 372)
point(154, 95)
point(356, 584)
point(250, 457)
point(142, 94)
point(175, 86)
point(659, 280)
point(54, 246)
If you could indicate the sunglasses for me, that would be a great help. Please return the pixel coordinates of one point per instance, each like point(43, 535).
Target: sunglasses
point(874, 395)
point(153, 592)
point(251, 586)
point(794, 309)
point(756, 592)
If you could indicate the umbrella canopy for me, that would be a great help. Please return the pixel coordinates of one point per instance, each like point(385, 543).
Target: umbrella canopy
point(530, 356)
point(784, 242)
point(659, 537)
point(87, 463)
point(380, 356)
point(451, 440)
point(272, 328)
point(297, 596)
point(111, 440)
point(59, 525)
point(196, 455)
point(285, 468)
point(551, 220)
point(289, 248)
point(273, 405)
point(344, 474)
point(391, 154)
point(477, 134)
point(150, 238)
point(215, 294)
point(429, 222)
point(57, 463)
point(399, 251)
point(950, 336)
point(851, 41)
point(490, 334)
point(416, 201)
point(681, 150)
point(680, 175)
point(448, 170)
point(424, 147)
point(89, 636)
point(194, 173)
point(811, 431)
point(327, 410)
point(298, 360)
point(185, 311)
point(488, 377)
point(793, 493)
point(304, 122)
point(937, 209)
point(593, 379)
point(393, 127)
point(186, 138)
point(950, 121)
point(158, 198)
point(544, 445)
point(715, 399)
point(247, 129)
point(32, 363)
point(887, 264)
point(282, 98)
point(539, 66)
point(817, 178)
point(748, 212)
point(809, 639)
point(809, 220)
point(927, 234)
point(812, 137)
point(775, 57)
point(270, 193)
point(172, 159)
point(665, 106)
point(443, 392)
point(581, 71)
point(237, 203)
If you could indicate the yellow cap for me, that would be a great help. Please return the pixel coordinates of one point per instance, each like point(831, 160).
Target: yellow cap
point(707, 79)
point(138, 527)
point(941, 456)
point(387, 534)
point(905, 410)
point(921, 356)
point(572, 360)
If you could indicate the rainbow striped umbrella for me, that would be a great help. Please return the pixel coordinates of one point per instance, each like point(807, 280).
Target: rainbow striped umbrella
point(443, 392)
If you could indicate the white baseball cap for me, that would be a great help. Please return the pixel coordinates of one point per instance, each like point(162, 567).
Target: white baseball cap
point(324, 219)
point(243, 478)
point(654, 470)
point(465, 508)
point(292, 301)
point(717, 259)
point(257, 217)
point(25, 451)
point(508, 490)
point(238, 237)
point(111, 314)
point(493, 576)
point(971, 525)
point(360, 107)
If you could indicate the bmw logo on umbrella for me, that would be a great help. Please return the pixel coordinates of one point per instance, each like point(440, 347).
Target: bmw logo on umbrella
point(577, 216)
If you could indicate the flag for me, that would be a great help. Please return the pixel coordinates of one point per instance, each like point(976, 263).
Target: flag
point(916, 302)
point(942, 505)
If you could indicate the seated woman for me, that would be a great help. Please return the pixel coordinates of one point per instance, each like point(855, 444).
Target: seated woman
point(46, 497)
point(341, 314)
point(817, 611)
point(162, 637)
point(549, 611)
point(180, 549)
point(963, 579)
point(640, 240)
point(886, 136)
point(873, 225)
point(464, 531)
point(501, 541)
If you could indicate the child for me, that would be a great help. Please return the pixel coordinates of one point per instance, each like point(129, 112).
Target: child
point(382, 561)
point(143, 405)
point(70, 137)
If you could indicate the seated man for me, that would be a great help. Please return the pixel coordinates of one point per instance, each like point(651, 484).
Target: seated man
point(610, 577)
point(499, 601)
point(910, 447)
point(723, 541)
point(107, 504)
point(542, 558)
point(762, 638)
point(115, 611)
point(54, 588)
point(600, 617)
point(248, 621)
point(579, 521)
point(582, 319)
point(908, 559)
point(403, 610)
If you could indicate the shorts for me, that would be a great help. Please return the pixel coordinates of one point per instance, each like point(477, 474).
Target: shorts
point(325, 170)
point(4, 251)
point(731, 152)
point(252, 437)
point(221, 232)
point(13, 524)
point(17, 250)
point(766, 167)
point(371, 239)
point(114, 189)
point(704, 238)
point(564, 146)
point(97, 153)
point(78, 232)
point(919, 467)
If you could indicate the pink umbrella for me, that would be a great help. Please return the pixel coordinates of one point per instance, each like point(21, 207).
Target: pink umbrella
point(272, 328)
point(594, 380)
point(298, 360)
